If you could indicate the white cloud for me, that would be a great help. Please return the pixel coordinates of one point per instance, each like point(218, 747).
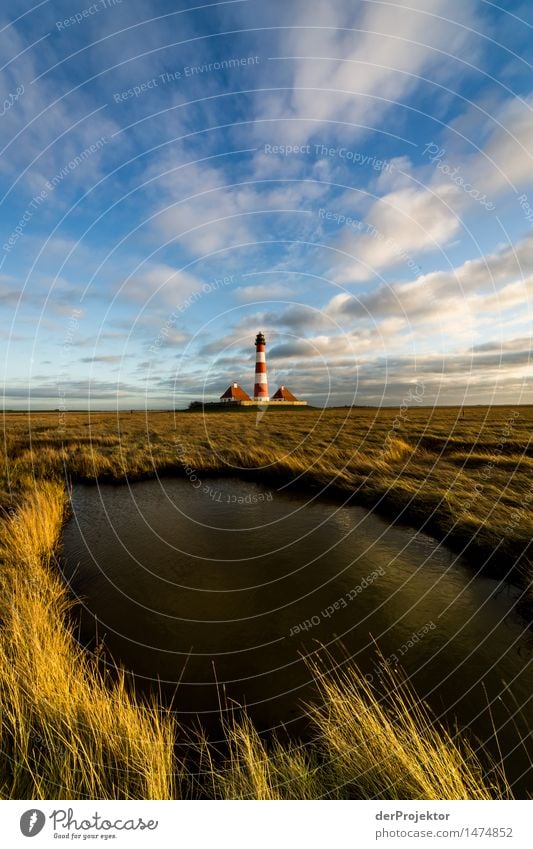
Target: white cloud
point(263, 292)
point(36, 147)
point(446, 309)
point(161, 281)
point(205, 211)
point(506, 158)
point(368, 54)
point(105, 358)
point(406, 222)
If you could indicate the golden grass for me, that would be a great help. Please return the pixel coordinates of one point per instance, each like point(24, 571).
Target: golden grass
point(66, 732)
point(463, 475)
point(386, 745)
point(370, 744)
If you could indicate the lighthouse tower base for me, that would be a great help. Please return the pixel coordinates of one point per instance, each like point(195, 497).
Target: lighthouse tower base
point(272, 403)
point(220, 406)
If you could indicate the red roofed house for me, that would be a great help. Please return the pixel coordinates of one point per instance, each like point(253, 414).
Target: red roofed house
point(235, 393)
point(283, 394)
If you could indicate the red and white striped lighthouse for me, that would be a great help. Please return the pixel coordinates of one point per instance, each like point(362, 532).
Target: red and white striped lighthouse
point(261, 384)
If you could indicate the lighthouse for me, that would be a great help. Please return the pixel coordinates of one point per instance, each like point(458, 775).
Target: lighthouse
point(235, 396)
point(261, 384)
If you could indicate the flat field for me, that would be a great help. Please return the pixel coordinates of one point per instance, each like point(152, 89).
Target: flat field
point(464, 475)
point(68, 731)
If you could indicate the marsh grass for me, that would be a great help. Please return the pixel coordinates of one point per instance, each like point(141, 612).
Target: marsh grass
point(65, 732)
point(385, 743)
point(369, 743)
point(461, 475)
point(68, 732)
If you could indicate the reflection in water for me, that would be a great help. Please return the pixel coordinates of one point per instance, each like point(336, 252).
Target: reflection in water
point(231, 583)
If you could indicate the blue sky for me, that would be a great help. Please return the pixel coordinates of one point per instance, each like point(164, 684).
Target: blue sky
point(354, 178)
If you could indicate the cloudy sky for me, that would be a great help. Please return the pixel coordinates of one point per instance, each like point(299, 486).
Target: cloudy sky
point(352, 177)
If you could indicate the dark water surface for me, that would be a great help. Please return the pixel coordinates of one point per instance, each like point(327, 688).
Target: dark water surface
point(212, 584)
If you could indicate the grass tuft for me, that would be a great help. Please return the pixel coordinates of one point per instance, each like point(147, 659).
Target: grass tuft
point(65, 733)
